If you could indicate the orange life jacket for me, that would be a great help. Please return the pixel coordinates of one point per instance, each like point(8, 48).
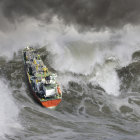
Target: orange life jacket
point(58, 89)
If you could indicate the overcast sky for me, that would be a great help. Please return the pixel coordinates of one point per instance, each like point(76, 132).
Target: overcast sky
point(96, 14)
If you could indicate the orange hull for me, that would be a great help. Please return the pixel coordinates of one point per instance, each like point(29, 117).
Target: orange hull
point(51, 103)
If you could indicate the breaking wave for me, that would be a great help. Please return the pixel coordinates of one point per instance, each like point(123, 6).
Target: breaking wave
point(96, 55)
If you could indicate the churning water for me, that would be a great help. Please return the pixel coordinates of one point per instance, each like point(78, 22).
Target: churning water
point(99, 76)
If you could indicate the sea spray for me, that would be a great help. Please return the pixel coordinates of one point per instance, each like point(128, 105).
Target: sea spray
point(8, 111)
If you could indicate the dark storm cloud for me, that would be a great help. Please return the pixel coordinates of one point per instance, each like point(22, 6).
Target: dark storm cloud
point(86, 13)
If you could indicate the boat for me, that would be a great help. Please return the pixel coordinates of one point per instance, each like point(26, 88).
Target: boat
point(42, 82)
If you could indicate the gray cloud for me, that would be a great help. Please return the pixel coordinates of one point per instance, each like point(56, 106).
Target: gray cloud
point(84, 13)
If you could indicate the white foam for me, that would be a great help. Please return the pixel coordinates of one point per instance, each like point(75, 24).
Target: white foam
point(106, 76)
point(73, 51)
point(82, 53)
point(8, 111)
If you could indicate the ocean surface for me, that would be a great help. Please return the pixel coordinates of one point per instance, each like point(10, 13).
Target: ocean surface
point(101, 95)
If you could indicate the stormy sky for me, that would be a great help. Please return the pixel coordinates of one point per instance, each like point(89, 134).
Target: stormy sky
point(96, 14)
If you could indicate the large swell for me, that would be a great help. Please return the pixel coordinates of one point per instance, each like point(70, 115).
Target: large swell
point(99, 76)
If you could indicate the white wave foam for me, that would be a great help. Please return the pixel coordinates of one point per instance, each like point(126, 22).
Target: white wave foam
point(106, 76)
point(79, 52)
point(73, 51)
point(82, 53)
point(8, 111)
